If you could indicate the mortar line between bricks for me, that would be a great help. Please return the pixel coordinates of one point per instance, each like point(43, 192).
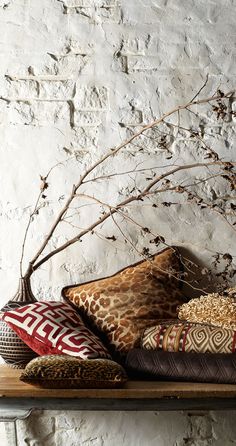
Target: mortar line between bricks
point(92, 7)
point(49, 78)
point(33, 100)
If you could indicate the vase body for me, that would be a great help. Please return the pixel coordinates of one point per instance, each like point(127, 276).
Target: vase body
point(12, 349)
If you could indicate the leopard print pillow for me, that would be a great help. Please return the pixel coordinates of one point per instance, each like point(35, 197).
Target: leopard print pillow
point(121, 306)
point(67, 372)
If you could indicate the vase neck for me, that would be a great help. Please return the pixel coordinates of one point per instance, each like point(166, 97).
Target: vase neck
point(24, 292)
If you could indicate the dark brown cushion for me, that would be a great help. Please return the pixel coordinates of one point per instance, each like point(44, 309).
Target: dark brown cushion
point(122, 305)
point(179, 366)
point(66, 372)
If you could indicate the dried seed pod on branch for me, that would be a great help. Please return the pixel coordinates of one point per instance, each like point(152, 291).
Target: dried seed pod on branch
point(157, 177)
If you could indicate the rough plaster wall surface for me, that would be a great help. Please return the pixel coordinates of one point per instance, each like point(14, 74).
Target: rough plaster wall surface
point(70, 72)
point(127, 429)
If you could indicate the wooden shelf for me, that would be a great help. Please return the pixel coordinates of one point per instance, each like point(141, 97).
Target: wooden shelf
point(134, 395)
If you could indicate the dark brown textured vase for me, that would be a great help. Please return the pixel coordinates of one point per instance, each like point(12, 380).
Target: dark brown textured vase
point(12, 349)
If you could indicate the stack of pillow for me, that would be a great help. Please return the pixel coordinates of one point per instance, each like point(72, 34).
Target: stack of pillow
point(199, 346)
point(71, 356)
point(100, 321)
point(129, 318)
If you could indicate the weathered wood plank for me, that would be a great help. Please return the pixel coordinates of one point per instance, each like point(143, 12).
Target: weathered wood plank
point(12, 387)
point(134, 395)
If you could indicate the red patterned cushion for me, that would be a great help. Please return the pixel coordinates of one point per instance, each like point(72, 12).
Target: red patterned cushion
point(54, 328)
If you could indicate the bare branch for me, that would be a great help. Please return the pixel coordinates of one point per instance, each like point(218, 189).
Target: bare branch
point(139, 195)
point(34, 212)
point(199, 91)
point(123, 203)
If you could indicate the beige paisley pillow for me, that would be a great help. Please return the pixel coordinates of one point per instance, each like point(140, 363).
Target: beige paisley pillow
point(121, 306)
point(67, 372)
point(187, 337)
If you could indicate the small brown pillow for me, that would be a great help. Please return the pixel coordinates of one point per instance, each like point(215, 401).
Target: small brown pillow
point(121, 306)
point(187, 337)
point(66, 372)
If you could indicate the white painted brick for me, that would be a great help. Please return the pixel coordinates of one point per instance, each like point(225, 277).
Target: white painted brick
point(21, 89)
point(68, 64)
point(43, 113)
point(141, 63)
point(91, 98)
point(94, 10)
point(85, 138)
point(109, 12)
point(20, 113)
point(131, 117)
point(62, 90)
point(88, 118)
point(58, 63)
point(48, 113)
point(72, 64)
point(136, 44)
point(36, 434)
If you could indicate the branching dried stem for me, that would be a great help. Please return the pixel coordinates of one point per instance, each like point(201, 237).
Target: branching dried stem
point(157, 238)
point(43, 187)
point(137, 195)
point(122, 204)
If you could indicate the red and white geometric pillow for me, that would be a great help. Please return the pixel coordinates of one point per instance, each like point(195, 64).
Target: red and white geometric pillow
point(55, 328)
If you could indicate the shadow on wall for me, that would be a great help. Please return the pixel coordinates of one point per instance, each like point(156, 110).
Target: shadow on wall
point(200, 280)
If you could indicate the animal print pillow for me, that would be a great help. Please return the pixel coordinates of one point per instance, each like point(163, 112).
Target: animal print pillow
point(66, 372)
point(121, 306)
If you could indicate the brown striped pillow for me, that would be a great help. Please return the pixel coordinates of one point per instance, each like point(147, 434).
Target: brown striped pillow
point(188, 337)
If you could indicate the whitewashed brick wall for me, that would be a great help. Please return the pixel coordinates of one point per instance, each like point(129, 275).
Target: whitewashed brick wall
point(70, 72)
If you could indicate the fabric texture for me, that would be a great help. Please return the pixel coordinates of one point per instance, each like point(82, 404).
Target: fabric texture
point(122, 305)
point(215, 309)
point(179, 366)
point(54, 327)
point(188, 337)
point(65, 372)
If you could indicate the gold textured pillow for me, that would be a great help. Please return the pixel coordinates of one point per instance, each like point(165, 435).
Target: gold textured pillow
point(214, 309)
point(67, 372)
point(122, 305)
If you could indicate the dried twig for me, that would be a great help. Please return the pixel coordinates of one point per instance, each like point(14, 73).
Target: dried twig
point(138, 196)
